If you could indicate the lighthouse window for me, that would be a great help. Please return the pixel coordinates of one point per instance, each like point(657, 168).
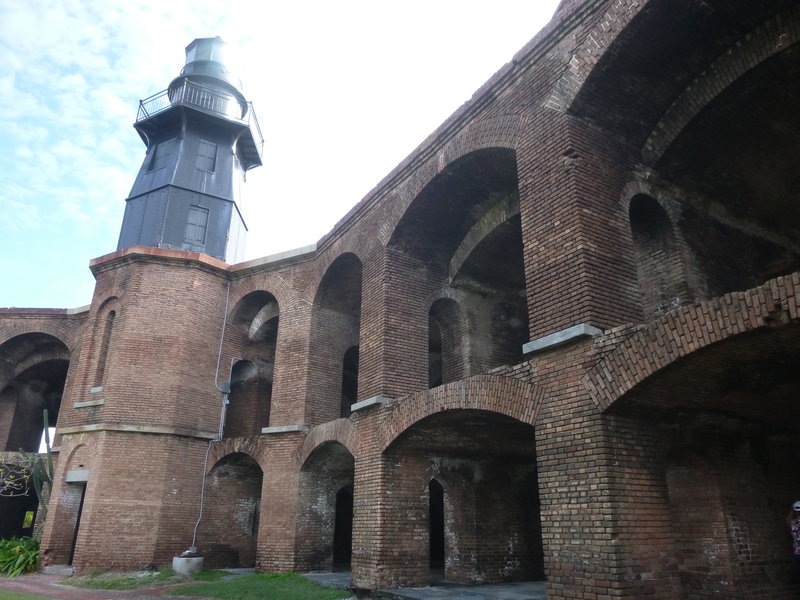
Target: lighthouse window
point(206, 156)
point(196, 226)
point(160, 154)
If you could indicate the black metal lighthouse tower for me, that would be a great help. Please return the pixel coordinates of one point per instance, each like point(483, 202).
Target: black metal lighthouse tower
point(202, 136)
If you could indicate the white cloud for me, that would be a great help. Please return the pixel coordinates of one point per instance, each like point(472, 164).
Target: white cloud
point(343, 90)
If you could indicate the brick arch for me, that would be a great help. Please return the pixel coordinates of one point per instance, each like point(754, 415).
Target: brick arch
point(59, 331)
point(595, 44)
point(356, 243)
point(636, 187)
point(110, 303)
point(501, 132)
point(249, 446)
point(688, 329)
point(494, 393)
point(340, 430)
point(323, 268)
point(768, 39)
point(445, 293)
point(500, 213)
point(272, 283)
point(87, 450)
point(39, 358)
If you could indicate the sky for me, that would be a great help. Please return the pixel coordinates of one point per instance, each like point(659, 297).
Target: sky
point(343, 90)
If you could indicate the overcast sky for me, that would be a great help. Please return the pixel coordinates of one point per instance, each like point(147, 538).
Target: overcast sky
point(343, 90)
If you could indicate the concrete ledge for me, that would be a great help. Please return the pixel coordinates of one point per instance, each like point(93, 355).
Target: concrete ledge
point(79, 310)
point(157, 429)
point(561, 338)
point(285, 429)
point(63, 570)
point(296, 253)
point(374, 401)
point(98, 402)
point(77, 476)
point(96, 390)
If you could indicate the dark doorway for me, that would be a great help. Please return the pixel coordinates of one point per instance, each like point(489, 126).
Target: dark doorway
point(76, 491)
point(343, 529)
point(349, 381)
point(436, 512)
point(18, 513)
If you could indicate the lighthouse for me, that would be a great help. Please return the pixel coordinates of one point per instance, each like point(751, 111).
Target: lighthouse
point(202, 136)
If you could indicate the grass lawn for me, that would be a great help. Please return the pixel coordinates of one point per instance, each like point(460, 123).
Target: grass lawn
point(7, 595)
point(263, 586)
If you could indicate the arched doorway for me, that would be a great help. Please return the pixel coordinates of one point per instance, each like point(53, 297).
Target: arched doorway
point(465, 482)
point(458, 289)
point(325, 524)
point(343, 529)
point(255, 318)
point(336, 327)
point(228, 532)
point(717, 429)
point(436, 528)
point(32, 379)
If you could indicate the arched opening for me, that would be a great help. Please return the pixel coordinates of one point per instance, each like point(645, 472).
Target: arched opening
point(461, 238)
point(447, 344)
point(734, 169)
point(228, 533)
point(436, 520)
point(478, 517)
point(8, 406)
point(719, 430)
point(256, 318)
point(18, 502)
point(343, 529)
point(325, 523)
point(336, 326)
point(712, 114)
point(105, 342)
point(662, 277)
point(249, 400)
point(66, 511)
point(38, 365)
point(349, 380)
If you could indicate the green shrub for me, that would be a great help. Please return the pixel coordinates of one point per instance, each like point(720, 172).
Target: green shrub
point(18, 555)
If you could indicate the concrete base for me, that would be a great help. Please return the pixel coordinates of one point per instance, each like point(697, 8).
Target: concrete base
point(64, 570)
point(184, 565)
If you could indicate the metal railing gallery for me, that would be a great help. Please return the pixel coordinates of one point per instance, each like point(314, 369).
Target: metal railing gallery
point(204, 98)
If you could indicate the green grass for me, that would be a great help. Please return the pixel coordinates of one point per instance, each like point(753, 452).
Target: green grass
point(7, 595)
point(263, 586)
point(102, 580)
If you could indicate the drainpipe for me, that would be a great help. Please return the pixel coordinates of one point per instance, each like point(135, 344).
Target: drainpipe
point(225, 389)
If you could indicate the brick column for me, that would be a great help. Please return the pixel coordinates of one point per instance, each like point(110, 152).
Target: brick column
point(578, 257)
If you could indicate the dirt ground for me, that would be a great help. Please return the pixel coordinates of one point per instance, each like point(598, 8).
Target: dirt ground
point(50, 586)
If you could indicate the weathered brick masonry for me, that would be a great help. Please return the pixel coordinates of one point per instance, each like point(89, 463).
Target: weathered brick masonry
point(559, 341)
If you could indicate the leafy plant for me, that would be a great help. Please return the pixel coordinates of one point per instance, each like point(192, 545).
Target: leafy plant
point(19, 471)
point(18, 555)
point(42, 472)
